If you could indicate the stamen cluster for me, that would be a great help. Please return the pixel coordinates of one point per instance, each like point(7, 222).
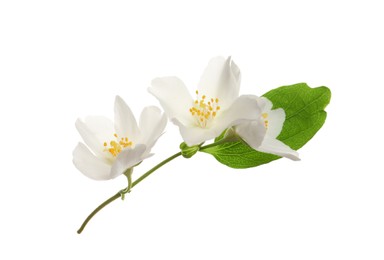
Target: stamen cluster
point(204, 110)
point(115, 147)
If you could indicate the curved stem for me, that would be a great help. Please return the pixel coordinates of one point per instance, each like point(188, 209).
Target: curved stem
point(128, 174)
point(145, 175)
point(118, 195)
point(102, 205)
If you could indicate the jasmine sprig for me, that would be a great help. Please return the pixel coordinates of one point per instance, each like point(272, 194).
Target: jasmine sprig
point(248, 131)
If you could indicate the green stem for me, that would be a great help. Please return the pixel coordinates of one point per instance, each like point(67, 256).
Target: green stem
point(145, 175)
point(118, 195)
point(128, 174)
point(102, 205)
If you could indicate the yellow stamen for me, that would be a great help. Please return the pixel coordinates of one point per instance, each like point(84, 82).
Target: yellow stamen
point(264, 115)
point(115, 147)
point(203, 111)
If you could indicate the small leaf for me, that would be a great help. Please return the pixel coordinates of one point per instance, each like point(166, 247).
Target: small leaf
point(305, 115)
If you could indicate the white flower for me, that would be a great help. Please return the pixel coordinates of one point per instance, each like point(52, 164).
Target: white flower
point(261, 134)
point(217, 105)
point(115, 148)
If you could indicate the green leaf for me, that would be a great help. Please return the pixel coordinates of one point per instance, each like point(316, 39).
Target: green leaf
point(305, 115)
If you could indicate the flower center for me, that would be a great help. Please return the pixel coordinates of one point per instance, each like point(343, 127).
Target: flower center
point(204, 110)
point(265, 118)
point(116, 146)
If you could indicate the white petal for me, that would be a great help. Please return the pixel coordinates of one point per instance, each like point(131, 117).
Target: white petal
point(276, 120)
point(244, 108)
point(173, 97)
point(90, 165)
point(277, 147)
point(95, 130)
point(194, 135)
point(125, 122)
point(152, 124)
point(220, 79)
point(127, 159)
point(252, 132)
point(265, 104)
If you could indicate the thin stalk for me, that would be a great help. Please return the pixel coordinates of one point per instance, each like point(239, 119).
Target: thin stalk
point(119, 194)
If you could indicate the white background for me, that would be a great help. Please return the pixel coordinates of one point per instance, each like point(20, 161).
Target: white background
point(60, 60)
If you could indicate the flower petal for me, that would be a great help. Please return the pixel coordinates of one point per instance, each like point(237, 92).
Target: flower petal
point(276, 120)
point(274, 146)
point(194, 135)
point(125, 122)
point(95, 130)
point(127, 159)
point(173, 96)
point(244, 108)
point(252, 132)
point(221, 79)
point(152, 123)
point(90, 165)
point(265, 104)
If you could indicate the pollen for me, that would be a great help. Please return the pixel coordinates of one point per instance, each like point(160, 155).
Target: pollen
point(265, 116)
point(116, 146)
point(204, 109)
